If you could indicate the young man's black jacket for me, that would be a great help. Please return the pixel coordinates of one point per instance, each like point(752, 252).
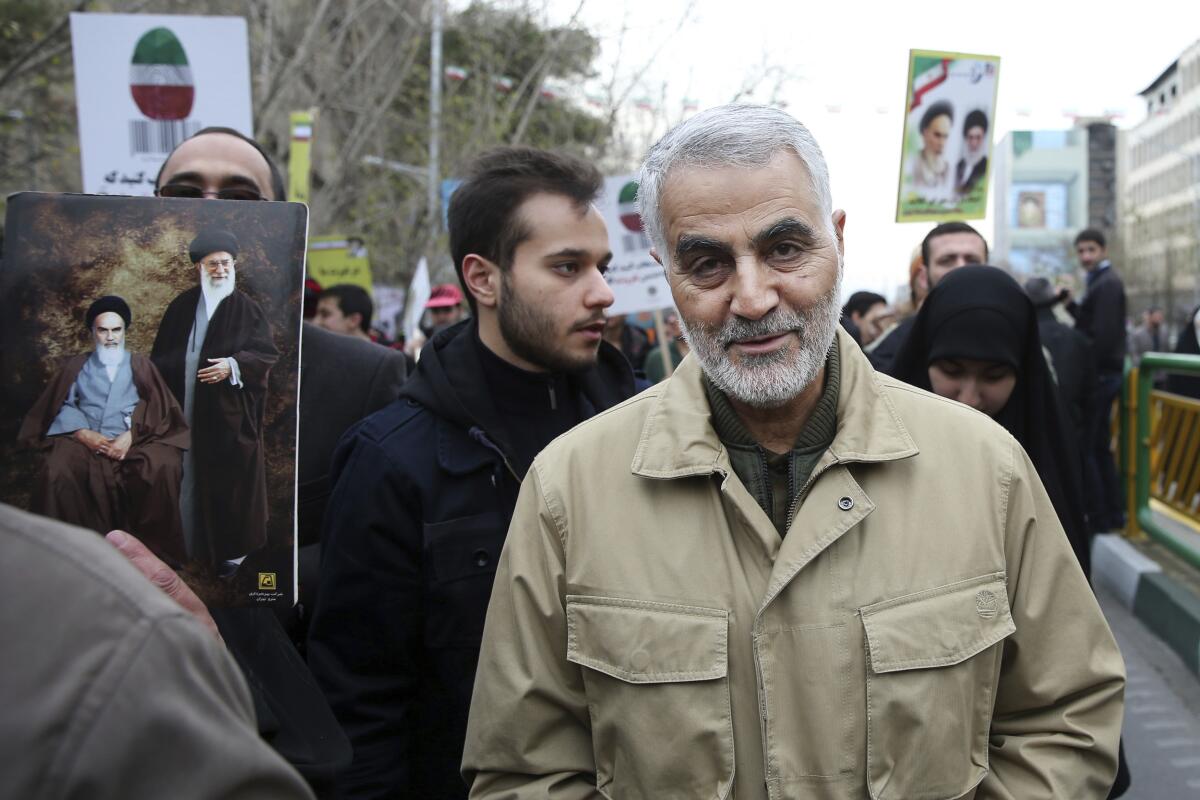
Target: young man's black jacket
point(424, 491)
point(1100, 315)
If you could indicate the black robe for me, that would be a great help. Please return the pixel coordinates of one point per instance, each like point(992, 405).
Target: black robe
point(139, 494)
point(227, 423)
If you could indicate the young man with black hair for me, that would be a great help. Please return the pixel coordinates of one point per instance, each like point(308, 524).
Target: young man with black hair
point(426, 487)
point(947, 247)
point(1100, 316)
point(346, 309)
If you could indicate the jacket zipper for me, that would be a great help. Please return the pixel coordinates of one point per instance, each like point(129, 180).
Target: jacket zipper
point(795, 506)
point(478, 435)
point(762, 713)
point(762, 689)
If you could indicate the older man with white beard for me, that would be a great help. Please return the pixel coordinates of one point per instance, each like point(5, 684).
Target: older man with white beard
point(778, 573)
point(113, 439)
point(215, 350)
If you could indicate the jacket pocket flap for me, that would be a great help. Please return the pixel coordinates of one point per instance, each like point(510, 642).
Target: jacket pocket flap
point(465, 547)
point(639, 641)
point(938, 627)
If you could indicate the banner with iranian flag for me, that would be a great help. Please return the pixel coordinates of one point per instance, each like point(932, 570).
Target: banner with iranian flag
point(637, 280)
point(945, 157)
point(146, 82)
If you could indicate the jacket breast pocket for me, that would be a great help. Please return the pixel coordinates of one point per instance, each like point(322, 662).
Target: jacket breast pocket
point(460, 566)
point(933, 663)
point(656, 676)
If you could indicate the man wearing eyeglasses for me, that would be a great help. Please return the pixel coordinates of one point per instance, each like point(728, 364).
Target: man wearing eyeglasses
point(215, 351)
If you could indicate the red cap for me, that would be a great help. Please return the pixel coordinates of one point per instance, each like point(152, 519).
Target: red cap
point(444, 295)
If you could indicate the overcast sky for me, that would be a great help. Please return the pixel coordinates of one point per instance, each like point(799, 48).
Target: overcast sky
point(846, 65)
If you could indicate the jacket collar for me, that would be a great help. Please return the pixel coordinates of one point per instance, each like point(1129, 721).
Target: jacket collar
point(678, 438)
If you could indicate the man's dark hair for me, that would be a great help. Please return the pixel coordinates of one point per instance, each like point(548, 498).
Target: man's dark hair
point(943, 229)
point(352, 299)
point(1091, 235)
point(484, 216)
point(976, 119)
point(277, 186)
point(861, 303)
point(942, 109)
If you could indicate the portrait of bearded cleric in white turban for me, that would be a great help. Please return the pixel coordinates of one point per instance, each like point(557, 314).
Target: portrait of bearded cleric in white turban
point(113, 438)
point(215, 351)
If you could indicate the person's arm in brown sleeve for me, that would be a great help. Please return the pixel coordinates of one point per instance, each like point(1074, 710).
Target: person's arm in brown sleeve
point(169, 715)
point(1060, 698)
point(528, 737)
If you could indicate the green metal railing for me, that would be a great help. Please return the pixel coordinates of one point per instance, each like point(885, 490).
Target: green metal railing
point(1165, 452)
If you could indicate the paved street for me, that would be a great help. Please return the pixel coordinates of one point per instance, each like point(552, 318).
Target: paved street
point(1162, 712)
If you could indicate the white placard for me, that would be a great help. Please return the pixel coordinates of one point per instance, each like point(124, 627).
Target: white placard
point(132, 79)
point(636, 279)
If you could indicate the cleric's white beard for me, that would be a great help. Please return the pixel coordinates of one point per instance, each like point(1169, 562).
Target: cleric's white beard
point(771, 380)
point(111, 356)
point(213, 294)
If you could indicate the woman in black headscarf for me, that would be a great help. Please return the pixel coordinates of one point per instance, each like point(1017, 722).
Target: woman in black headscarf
point(1188, 344)
point(976, 340)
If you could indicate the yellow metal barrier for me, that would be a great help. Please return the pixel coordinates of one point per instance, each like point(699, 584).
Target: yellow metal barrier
point(1165, 459)
point(1175, 454)
point(1127, 449)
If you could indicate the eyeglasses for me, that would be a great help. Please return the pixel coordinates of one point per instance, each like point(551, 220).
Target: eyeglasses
point(216, 264)
point(195, 192)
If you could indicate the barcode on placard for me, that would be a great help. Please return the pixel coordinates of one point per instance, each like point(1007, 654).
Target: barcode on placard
point(159, 136)
point(635, 241)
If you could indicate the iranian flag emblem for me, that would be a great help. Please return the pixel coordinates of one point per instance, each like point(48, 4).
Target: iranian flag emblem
point(627, 208)
point(160, 78)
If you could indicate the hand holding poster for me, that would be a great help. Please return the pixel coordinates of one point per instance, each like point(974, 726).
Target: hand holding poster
point(945, 154)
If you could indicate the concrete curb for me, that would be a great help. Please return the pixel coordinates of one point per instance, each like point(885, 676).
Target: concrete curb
point(1159, 602)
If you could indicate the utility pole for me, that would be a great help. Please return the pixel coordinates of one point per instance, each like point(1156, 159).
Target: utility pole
point(435, 123)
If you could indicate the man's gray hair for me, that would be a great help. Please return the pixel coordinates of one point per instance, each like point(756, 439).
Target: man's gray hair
point(739, 134)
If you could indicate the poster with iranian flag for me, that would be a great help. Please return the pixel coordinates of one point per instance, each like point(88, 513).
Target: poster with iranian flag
point(146, 82)
point(637, 280)
point(945, 155)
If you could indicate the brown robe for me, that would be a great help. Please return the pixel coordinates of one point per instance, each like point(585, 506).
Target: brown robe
point(227, 449)
point(139, 494)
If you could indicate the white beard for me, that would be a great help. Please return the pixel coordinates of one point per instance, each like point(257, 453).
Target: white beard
point(768, 381)
point(111, 356)
point(213, 295)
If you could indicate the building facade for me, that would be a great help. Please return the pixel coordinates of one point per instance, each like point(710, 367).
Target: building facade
point(1161, 193)
point(1047, 186)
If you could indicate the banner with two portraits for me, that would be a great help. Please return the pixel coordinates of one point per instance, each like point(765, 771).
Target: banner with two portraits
point(945, 157)
point(151, 363)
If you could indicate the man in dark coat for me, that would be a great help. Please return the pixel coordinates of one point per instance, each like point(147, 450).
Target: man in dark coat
point(947, 247)
point(113, 437)
point(425, 488)
point(1100, 316)
point(341, 381)
point(1070, 357)
point(214, 349)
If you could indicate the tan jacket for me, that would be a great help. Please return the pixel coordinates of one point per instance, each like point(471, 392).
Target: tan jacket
point(923, 631)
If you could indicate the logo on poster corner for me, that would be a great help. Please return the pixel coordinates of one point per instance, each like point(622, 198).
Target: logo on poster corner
point(267, 582)
point(160, 77)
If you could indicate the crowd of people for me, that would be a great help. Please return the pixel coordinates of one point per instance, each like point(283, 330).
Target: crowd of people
point(793, 548)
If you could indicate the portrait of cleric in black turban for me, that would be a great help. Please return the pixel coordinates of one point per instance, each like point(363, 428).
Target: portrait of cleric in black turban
point(155, 377)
